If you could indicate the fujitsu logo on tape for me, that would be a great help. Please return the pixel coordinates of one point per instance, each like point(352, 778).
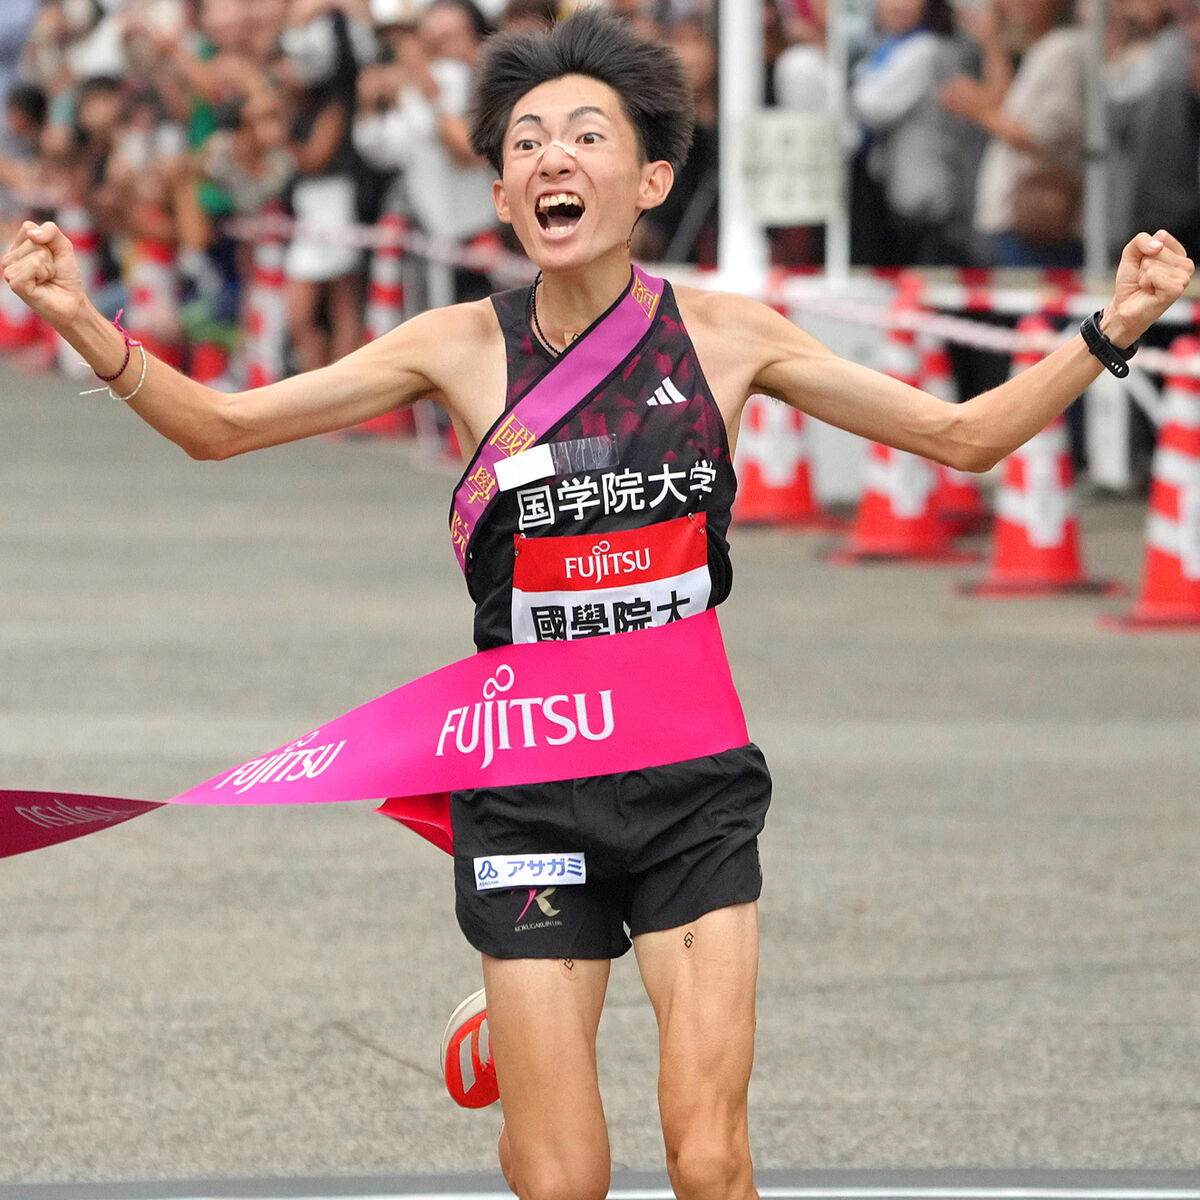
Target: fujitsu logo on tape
point(298, 760)
point(604, 561)
point(493, 724)
point(51, 816)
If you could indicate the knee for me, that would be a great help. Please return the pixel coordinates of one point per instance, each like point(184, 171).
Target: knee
point(548, 1176)
point(704, 1167)
point(562, 1181)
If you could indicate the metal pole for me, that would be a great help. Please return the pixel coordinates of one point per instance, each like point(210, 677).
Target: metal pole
point(1096, 262)
point(742, 255)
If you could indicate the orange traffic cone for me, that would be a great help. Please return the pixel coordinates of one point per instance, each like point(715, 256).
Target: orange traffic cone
point(1171, 578)
point(385, 290)
point(264, 314)
point(385, 310)
point(774, 480)
point(956, 497)
point(1035, 543)
point(896, 518)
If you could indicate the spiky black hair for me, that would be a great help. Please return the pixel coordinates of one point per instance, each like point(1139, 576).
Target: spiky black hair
point(646, 75)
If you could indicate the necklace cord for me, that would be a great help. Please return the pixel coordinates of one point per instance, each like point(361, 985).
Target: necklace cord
point(537, 325)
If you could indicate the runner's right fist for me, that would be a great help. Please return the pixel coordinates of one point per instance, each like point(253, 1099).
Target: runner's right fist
point(41, 269)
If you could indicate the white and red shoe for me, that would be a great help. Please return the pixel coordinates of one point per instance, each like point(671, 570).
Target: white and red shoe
point(467, 1055)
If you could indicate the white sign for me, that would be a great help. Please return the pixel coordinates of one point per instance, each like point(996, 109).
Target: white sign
point(792, 169)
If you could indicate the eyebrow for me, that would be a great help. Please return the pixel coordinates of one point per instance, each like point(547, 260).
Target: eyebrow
point(573, 115)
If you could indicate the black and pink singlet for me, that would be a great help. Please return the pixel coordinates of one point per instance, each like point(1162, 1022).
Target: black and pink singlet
point(630, 530)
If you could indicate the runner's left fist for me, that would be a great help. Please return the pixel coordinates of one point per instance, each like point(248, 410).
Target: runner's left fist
point(1151, 276)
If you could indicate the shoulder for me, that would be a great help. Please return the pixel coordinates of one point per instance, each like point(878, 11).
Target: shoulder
point(441, 344)
point(739, 342)
point(741, 324)
point(454, 332)
point(726, 311)
point(457, 351)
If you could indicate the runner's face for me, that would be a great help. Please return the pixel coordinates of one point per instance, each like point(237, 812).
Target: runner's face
point(574, 181)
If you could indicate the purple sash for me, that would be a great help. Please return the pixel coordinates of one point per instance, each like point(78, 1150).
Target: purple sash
point(582, 368)
point(517, 714)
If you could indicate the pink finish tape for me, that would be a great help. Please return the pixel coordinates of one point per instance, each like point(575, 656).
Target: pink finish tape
point(519, 714)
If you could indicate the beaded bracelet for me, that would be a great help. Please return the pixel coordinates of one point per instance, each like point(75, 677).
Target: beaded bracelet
point(107, 388)
point(108, 379)
point(141, 378)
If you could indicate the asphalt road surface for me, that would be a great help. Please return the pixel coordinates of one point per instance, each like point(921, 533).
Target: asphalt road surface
point(981, 920)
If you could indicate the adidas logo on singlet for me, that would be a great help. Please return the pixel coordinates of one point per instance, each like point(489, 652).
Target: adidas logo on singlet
point(666, 393)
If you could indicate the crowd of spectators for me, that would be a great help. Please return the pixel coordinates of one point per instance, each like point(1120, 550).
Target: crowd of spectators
point(162, 118)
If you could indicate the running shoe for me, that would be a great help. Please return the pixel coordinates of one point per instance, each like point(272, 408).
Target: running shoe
point(467, 1055)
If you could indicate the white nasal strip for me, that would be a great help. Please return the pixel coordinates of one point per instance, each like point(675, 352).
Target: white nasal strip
point(529, 870)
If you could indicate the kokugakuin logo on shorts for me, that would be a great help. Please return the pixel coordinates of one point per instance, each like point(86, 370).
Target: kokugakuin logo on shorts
point(604, 561)
point(297, 760)
point(495, 724)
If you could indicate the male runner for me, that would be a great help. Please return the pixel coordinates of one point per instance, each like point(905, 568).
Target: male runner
point(585, 126)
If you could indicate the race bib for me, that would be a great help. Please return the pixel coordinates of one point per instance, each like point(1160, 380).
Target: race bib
point(565, 588)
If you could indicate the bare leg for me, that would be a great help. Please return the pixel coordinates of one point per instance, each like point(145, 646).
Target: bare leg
point(345, 316)
point(701, 980)
point(542, 1020)
point(309, 343)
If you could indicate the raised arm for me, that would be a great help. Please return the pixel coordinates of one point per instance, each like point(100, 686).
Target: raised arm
point(409, 362)
point(975, 435)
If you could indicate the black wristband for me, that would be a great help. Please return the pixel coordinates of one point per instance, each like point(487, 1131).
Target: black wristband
point(1115, 359)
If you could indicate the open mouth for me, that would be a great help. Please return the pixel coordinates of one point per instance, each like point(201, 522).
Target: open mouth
point(559, 212)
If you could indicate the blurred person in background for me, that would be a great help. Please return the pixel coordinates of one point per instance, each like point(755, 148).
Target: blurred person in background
point(904, 169)
point(72, 41)
point(528, 16)
point(1030, 184)
point(17, 19)
point(1143, 50)
point(640, 14)
point(423, 133)
point(684, 227)
point(203, 63)
point(803, 21)
point(797, 78)
point(1166, 138)
point(377, 138)
point(253, 161)
point(799, 74)
point(99, 113)
point(20, 137)
point(323, 43)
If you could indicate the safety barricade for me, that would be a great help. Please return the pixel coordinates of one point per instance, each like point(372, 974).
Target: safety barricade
point(897, 519)
point(1170, 596)
point(264, 312)
point(957, 498)
point(384, 311)
point(1035, 543)
point(773, 469)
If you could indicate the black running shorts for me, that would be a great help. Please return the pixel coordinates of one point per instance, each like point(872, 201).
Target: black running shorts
point(661, 847)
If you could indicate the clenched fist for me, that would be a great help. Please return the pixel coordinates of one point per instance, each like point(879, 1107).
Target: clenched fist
point(41, 268)
point(1151, 276)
